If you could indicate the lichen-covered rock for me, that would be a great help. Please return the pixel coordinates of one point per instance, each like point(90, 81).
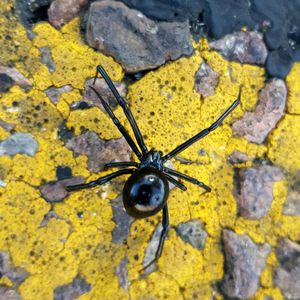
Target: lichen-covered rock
point(134, 40)
point(255, 193)
point(206, 80)
point(244, 47)
point(287, 275)
point(16, 78)
point(244, 262)
point(99, 152)
point(256, 125)
point(62, 11)
point(54, 93)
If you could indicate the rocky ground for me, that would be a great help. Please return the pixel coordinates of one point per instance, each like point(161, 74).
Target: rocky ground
point(179, 64)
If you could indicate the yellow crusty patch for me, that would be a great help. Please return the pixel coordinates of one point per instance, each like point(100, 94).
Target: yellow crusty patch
point(77, 240)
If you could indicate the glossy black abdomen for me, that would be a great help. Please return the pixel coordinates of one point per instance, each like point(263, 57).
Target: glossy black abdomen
point(145, 192)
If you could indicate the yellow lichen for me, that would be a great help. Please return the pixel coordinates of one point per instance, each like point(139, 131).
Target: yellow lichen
point(293, 84)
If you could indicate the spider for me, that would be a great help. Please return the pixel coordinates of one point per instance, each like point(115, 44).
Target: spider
point(146, 191)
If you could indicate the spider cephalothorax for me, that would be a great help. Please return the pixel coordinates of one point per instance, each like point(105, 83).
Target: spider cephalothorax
point(146, 191)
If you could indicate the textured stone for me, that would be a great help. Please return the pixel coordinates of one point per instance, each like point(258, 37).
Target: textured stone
point(16, 77)
point(255, 196)
point(122, 273)
point(9, 294)
point(244, 262)
point(73, 290)
point(244, 47)
point(62, 11)
point(287, 275)
point(292, 204)
point(148, 44)
point(19, 143)
point(206, 80)
point(54, 93)
point(238, 157)
point(99, 152)
point(256, 125)
point(192, 232)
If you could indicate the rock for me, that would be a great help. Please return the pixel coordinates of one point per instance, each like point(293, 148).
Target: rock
point(122, 273)
point(255, 194)
point(7, 126)
point(63, 172)
point(19, 143)
point(5, 83)
point(90, 97)
point(15, 78)
point(292, 204)
point(256, 125)
point(279, 63)
point(46, 58)
point(122, 220)
point(62, 11)
point(244, 262)
point(148, 44)
point(287, 275)
point(238, 157)
point(206, 80)
point(15, 274)
point(54, 93)
point(9, 294)
point(73, 290)
point(99, 152)
point(244, 47)
point(192, 232)
point(55, 191)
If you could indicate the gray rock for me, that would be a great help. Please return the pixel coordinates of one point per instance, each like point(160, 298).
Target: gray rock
point(256, 125)
point(5, 83)
point(56, 192)
point(292, 204)
point(19, 143)
point(99, 152)
point(287, 275)
point(206, 80)
point(72, 290)
point(122, 220)
point(15, 274)
point(192, 232)
point(244, 262)
point(9, 294)
point(62, 11)
point(244, 47)
point(90, 97)
point(134, 40)
point(255, 196)
point(122, 273)
point(46, 58)
point(7, 126)
point(238, 157)
point(16, 77)
point(54, 93)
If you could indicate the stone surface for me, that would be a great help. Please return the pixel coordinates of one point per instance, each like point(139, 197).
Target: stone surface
point(72, 290)
point(15, 274)
point(5, 83)
point(244, 262)
point(206, 80)
point(99, 152)
point(238, 157)
point(255, 194)
point(90, 97)
point(46, 58)
point(54, 93)
point(9, 294)
point(62, 11)
point(255, 126)
point(7, 126)
point(244, 47)
point(15, 76)
point(287, 275)
point(122, 273)
point(122, 220)
point(55, 191)
point(148, 44)
point(292, 204)
point(192, 232)
point(19, 143)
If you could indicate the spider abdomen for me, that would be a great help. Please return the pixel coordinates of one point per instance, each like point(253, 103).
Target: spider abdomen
point(145, 192)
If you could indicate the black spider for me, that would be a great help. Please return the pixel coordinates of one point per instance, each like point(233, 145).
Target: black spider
point(146, 191)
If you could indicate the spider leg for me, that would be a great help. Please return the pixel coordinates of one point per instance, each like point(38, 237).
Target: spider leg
point(202, 133)
point(163, 235)
point(99, 181)
point(121, 128)
point(118, 164)
point(122, 102)
point(176, 182)
point(187, 178)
